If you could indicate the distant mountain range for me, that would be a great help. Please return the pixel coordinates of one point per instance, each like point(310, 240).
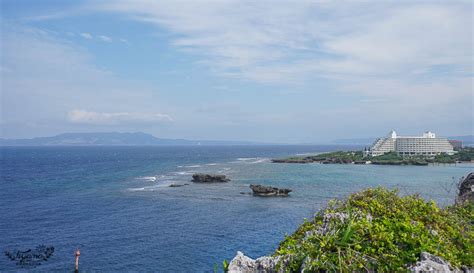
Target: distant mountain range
point(136, 139)
point(108, 139)
point(467, 140)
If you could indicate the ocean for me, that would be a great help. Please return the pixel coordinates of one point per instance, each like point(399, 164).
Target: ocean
point(115, 203)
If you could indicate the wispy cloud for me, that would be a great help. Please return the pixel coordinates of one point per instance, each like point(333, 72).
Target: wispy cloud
point(86, 35)
point(57, 12)
point(291, 41)
point(51, 16)
point(90, 117)
point(104, 38)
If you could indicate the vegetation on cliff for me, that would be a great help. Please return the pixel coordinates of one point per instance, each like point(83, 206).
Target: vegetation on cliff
point(378, 230)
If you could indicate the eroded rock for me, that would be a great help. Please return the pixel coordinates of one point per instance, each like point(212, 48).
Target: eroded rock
point(209, 178)
point(432, 263)
point(243, 264)
point(466, 189)
point(261, 190)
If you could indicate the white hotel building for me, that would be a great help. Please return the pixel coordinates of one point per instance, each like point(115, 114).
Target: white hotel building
point(427, 145)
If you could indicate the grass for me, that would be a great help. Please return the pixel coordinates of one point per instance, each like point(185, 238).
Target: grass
point(379, 230)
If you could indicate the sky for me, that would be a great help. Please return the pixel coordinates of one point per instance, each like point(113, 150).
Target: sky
point(272, 71)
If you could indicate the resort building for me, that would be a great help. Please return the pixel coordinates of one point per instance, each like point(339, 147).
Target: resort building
point(427, 145)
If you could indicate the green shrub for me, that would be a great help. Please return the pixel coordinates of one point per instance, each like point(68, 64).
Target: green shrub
point(376, 229)
point(465, 154)
point(390, 156)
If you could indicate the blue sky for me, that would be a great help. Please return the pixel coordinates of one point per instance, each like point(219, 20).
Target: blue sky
point(279, 71)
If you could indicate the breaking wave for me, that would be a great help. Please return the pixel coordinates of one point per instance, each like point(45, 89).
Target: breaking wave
point(148, 178)
point(193, 166)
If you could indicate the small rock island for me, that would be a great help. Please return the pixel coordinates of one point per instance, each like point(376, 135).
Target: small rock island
point(209, 178)
point(260, 190)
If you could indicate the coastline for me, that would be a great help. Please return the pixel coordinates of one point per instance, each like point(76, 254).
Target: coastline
point(465, 155)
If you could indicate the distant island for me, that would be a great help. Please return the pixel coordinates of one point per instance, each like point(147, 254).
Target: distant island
point(114, 139)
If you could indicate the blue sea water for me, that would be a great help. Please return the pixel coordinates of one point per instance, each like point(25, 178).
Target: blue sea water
point(115, 203)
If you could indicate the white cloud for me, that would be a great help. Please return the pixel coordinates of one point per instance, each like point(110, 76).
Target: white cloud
point(289, 41)
point(232, 37)
point(407, 40)
point(82, 116)
point(105, 38)
point(86, 35)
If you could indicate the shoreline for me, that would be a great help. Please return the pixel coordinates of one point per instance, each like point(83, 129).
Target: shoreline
point(465, 155)
point(283, 161)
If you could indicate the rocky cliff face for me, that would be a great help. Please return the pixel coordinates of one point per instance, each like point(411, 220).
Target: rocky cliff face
point(466, 189)
point(242, 263)
point(432, 263)
point(265, 264)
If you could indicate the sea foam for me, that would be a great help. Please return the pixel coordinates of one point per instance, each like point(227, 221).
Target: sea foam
point(148, 178)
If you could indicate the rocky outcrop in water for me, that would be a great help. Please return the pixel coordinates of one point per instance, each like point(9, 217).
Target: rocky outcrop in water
point(466, 189)
point(178, 185)
point(261, 190)
point(209, 178)
point(293, 160)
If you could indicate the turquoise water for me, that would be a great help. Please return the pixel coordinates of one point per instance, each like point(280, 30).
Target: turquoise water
point(115, 203)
